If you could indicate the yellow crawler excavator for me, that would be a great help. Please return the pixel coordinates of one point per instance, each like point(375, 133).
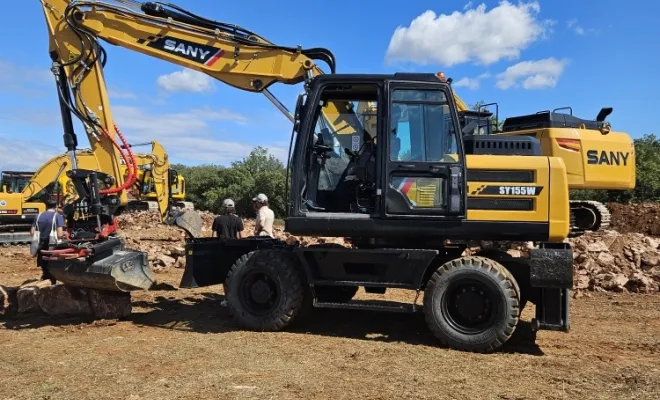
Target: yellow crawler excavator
point(596, 157)
point(24, 193)
point(341, 185)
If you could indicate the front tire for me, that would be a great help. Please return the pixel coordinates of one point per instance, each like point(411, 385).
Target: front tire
point(265, 290)
point(472, 304)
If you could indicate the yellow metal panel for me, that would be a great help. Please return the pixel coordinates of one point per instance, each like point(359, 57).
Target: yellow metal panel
point(539, 165)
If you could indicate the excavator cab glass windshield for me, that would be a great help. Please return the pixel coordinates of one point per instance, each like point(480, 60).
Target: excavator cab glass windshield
point(14, 181)
point(414, 114)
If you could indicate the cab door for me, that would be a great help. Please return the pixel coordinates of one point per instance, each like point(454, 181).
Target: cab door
point(424, 161)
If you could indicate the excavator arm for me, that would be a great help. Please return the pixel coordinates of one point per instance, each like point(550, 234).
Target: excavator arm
point(228, 53)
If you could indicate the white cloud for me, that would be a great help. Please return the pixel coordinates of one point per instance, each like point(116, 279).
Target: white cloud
point(578, 29)
point(24, 155)
point(471, 83)
point(47, 117)
point(540, 74)
point(187, 136)
point(115, 93)
point(186, 80)
point(476, 35)
point(25, 81)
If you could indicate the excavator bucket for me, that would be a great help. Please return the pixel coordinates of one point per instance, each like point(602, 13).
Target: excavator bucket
point(107, 266)
point(190, 221)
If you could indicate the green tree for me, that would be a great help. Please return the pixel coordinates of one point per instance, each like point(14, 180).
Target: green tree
point(260, 172)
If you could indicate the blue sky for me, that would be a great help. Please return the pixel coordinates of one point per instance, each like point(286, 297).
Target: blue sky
point(527, 56)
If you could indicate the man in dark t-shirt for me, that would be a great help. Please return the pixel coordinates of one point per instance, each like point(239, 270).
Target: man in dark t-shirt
point(46, 221)
point(228, 225)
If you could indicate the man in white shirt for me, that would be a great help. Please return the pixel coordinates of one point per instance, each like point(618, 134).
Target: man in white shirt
point(265, 216)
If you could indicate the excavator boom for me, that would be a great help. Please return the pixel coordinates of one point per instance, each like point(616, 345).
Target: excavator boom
point(229, 53)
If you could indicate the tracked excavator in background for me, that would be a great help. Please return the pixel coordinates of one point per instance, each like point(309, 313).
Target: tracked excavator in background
point(596, 157)
point(470, 302)
point(24, 193)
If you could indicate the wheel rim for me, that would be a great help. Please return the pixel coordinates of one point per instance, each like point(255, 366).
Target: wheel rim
point(470, 306)
point(260, 293)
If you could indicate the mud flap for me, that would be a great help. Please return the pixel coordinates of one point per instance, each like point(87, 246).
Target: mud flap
point(189, 221)
point(112, 268)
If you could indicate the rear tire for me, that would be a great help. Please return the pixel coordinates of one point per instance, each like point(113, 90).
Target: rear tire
point(472, 304)
point(265, 290)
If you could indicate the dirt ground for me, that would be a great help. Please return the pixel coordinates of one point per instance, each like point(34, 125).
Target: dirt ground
point(640, 218)
point(181, 344)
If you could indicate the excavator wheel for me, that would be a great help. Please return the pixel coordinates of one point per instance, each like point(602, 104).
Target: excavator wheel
point(266, 290)
point(472, 304)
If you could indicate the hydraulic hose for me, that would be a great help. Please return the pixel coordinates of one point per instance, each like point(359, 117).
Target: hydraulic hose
point(131, 164)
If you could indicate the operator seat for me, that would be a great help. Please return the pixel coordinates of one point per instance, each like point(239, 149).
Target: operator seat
point(360, 172)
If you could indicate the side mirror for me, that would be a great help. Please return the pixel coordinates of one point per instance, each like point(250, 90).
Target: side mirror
point(469, 128)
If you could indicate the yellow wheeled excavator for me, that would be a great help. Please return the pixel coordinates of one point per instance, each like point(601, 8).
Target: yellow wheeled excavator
point(341, 185)
point(24, 193)
point(596, 157)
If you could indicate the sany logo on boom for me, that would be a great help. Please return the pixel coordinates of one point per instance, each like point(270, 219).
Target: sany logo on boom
point(172, 45)
point(206, 55)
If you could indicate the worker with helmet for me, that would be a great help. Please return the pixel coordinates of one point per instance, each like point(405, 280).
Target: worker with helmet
point(265, 216)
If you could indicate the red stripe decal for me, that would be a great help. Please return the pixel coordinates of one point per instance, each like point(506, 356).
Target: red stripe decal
point(215, 57)
point(407, 185)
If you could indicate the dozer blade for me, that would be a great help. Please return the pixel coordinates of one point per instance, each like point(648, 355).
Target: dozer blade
point(191, 222)
point(108, 267)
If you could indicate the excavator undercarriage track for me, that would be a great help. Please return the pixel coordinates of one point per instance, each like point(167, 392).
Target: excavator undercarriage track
point(587, 216)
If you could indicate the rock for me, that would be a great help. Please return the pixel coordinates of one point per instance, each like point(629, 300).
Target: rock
point(8, 300)
point(616, 282)
point(641, 284)
point(180, 263)
point(64, 300)
point(177, 251)
point(165, 260)
point(106, 304)
point(582, 282)
point(605, 259)
point(650, 259)
point(596, 247)
point(514, 253)
point(27, 295)
point(652, 243)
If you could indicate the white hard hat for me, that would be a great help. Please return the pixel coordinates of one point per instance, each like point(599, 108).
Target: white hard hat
point(260, 198)
point(228, 203)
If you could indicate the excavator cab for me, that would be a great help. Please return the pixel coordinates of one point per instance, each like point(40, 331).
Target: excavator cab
point(416, 144)
point(14, 181)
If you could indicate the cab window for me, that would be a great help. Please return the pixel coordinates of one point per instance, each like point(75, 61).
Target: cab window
point(422, 128)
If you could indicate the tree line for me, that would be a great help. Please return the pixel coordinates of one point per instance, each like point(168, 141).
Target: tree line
point(260, 172)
